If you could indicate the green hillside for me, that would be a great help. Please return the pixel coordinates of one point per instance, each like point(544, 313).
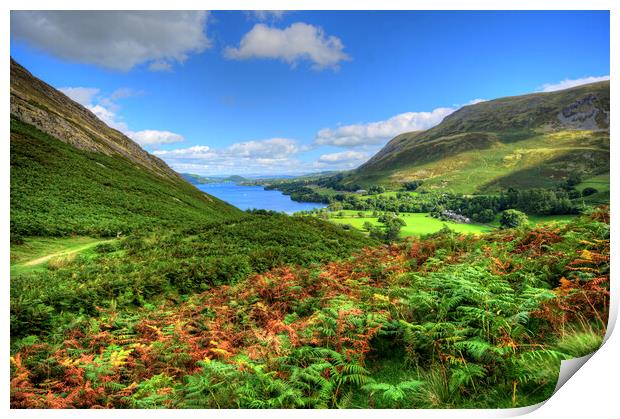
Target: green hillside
point(36, 103)
point(72, 174)
point(76, 182)
point(526, 141)
point(58, 190)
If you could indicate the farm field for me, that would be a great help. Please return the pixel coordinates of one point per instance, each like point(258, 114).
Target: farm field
point(601, 184)
point(419, 224)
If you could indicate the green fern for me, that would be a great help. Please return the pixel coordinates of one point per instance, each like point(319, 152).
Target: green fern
point(393, 395)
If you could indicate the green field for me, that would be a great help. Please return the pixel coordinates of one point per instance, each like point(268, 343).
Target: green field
point(601, 184)
point(417, 224)
point(541, 219)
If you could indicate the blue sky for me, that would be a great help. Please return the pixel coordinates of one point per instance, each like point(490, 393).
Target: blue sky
point(297, 92)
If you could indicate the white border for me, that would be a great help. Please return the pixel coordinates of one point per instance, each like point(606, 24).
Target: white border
point(592, 393)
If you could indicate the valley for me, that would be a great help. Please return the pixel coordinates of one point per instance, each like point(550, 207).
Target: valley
point(455, 269)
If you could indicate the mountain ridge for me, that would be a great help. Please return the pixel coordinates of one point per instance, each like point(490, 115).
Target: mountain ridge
point(72, 174)
point(38, 104)
point(497, 129)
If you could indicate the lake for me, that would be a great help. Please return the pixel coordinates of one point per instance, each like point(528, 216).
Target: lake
point(248, 197)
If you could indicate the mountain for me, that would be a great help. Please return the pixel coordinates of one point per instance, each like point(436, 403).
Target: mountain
point(535, 140)
point(201, 180)
point(36, 103)
point(72, 174)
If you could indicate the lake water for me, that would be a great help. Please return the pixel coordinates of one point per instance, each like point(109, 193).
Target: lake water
point(248, 197)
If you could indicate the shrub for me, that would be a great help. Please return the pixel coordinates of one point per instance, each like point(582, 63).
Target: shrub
point(105, 248)
point(513, 218)
point(16, 238)
point(574, 179)
point(484, 216)
point(412, 186)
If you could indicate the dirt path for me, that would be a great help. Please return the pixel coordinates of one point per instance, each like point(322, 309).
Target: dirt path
point(67, 252)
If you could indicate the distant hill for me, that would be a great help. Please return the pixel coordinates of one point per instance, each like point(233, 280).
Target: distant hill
point(534, 140)
point(72, 174)
point(201, 180)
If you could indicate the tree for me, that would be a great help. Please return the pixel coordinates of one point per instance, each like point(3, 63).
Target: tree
point(336, 206)
point(376, 232)
point(574, 179)
point(512, 218)
point(392, 225)
point(392, 231)
point(485, 216)
point(412, 186)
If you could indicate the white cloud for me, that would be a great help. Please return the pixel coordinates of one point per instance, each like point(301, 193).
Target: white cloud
point(343, 157)
point(160, 65)
point(380, 131)
point(568, 83)
point(475, 101)
point(106, 109)
point(117, 40)
point(82, 95)
point(264, 15)
point(273, 155)
point(153, 137)
point(194, 152)
point(272, 148)
point(270, 156)
point(300, 41)
point(108, 116)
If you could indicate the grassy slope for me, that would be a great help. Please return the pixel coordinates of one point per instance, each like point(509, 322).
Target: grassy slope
point(182, 239)
point(58, 190)
point(36, 252)
point(540, 161)
point(163, 265)
point(35, 247)
point(509, 142)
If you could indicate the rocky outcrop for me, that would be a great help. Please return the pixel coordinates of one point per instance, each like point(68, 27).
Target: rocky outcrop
point(583, 114)
point(39, 104)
